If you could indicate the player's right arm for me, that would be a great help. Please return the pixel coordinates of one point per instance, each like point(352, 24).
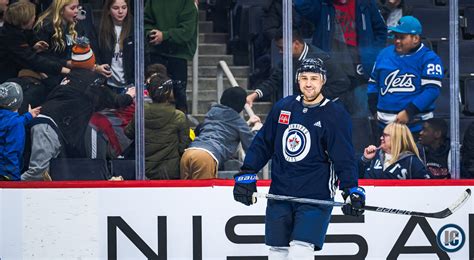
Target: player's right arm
point(258, 154)
point(262, 147)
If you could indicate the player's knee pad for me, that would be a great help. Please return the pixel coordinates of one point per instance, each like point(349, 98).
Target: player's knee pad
point(278, 253)
point(300, 250)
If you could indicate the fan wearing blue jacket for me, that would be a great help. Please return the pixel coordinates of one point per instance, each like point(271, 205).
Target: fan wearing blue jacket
point(12, 130)
point(396, 158)
point(406, 79)
point(308, 138)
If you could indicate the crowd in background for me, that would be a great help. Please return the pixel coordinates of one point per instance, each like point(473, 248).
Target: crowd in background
point(67, 87)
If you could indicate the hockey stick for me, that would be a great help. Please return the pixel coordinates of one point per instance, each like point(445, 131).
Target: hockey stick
point(440, 214)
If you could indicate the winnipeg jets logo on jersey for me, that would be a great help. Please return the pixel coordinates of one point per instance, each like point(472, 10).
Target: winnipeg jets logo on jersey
point(398, 83)
point(296, 143)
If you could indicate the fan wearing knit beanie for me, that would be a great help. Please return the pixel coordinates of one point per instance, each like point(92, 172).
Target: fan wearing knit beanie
point(234, 98)
point(12, 130)
point(82, 55)
point(217, 137)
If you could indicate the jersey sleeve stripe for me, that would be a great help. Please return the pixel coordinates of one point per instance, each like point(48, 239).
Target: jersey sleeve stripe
point(431, 81)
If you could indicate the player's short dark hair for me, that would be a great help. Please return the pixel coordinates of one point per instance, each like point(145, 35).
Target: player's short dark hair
point(439, 124)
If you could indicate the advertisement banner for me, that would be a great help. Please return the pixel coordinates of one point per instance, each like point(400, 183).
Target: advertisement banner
point(204, 222)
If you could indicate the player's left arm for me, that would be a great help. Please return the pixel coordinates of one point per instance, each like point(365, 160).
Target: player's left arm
point(341, 150)
point(341, 153)
point(431, 77)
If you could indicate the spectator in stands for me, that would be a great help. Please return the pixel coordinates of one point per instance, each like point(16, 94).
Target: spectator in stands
point(12, 130)
point(57, 28)
point(218, 137)
point(397, 157)
point(271, 27)
point(15, 49)
point(353, 32)
point(467, 153)
point(393, 10)
point(406, 79)
point(337, 81)
point(116, 43)
point(3, 8)
point(435, 148)
point(59, 129)
point(171, 27)
point(166, 130)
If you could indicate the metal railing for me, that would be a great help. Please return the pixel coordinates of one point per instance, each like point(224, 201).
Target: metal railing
point(223, 69)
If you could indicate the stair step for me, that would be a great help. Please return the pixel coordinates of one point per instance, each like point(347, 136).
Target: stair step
point(211, 71)
point(212, 49)
point(213, 37)
point(211, 83)
point(202, 15)
point(261, 109)
point(213, 60)
point(206, 26)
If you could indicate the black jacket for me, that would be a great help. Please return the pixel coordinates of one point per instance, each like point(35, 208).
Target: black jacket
point(105, 56)
point(467, 153)
point(337, 81)
point(72, 103)
point(17, 53)
point(437, 161)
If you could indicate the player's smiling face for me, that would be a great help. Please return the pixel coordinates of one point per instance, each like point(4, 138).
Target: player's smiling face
point(310, 85)
point(404, 43)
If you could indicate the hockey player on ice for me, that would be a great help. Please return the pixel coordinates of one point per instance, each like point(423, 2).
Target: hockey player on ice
point(308, 138)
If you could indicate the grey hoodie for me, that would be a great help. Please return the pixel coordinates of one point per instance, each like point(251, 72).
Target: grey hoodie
point(222, 130)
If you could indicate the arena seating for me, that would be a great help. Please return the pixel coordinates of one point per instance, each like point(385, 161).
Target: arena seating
point(64, 169)
point(420, 3)
point(438, 20)
point(443, 102)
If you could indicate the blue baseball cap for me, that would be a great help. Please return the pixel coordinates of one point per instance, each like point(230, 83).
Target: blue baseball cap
point(407, 25)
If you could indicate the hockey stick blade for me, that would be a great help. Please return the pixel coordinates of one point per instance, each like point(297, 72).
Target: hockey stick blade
point(441, 214)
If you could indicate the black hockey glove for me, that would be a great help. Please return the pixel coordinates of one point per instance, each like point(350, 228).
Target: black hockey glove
point(355, 199)
point(244, 187)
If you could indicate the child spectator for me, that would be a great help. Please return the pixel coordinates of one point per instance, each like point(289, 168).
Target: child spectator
point(57, 28)
point(218, 138)
point(397, 157)
point(15, 49)
point(116, 43)
point(12, 130)
point(60, 127)
point(166, 129)
point(435, 147)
